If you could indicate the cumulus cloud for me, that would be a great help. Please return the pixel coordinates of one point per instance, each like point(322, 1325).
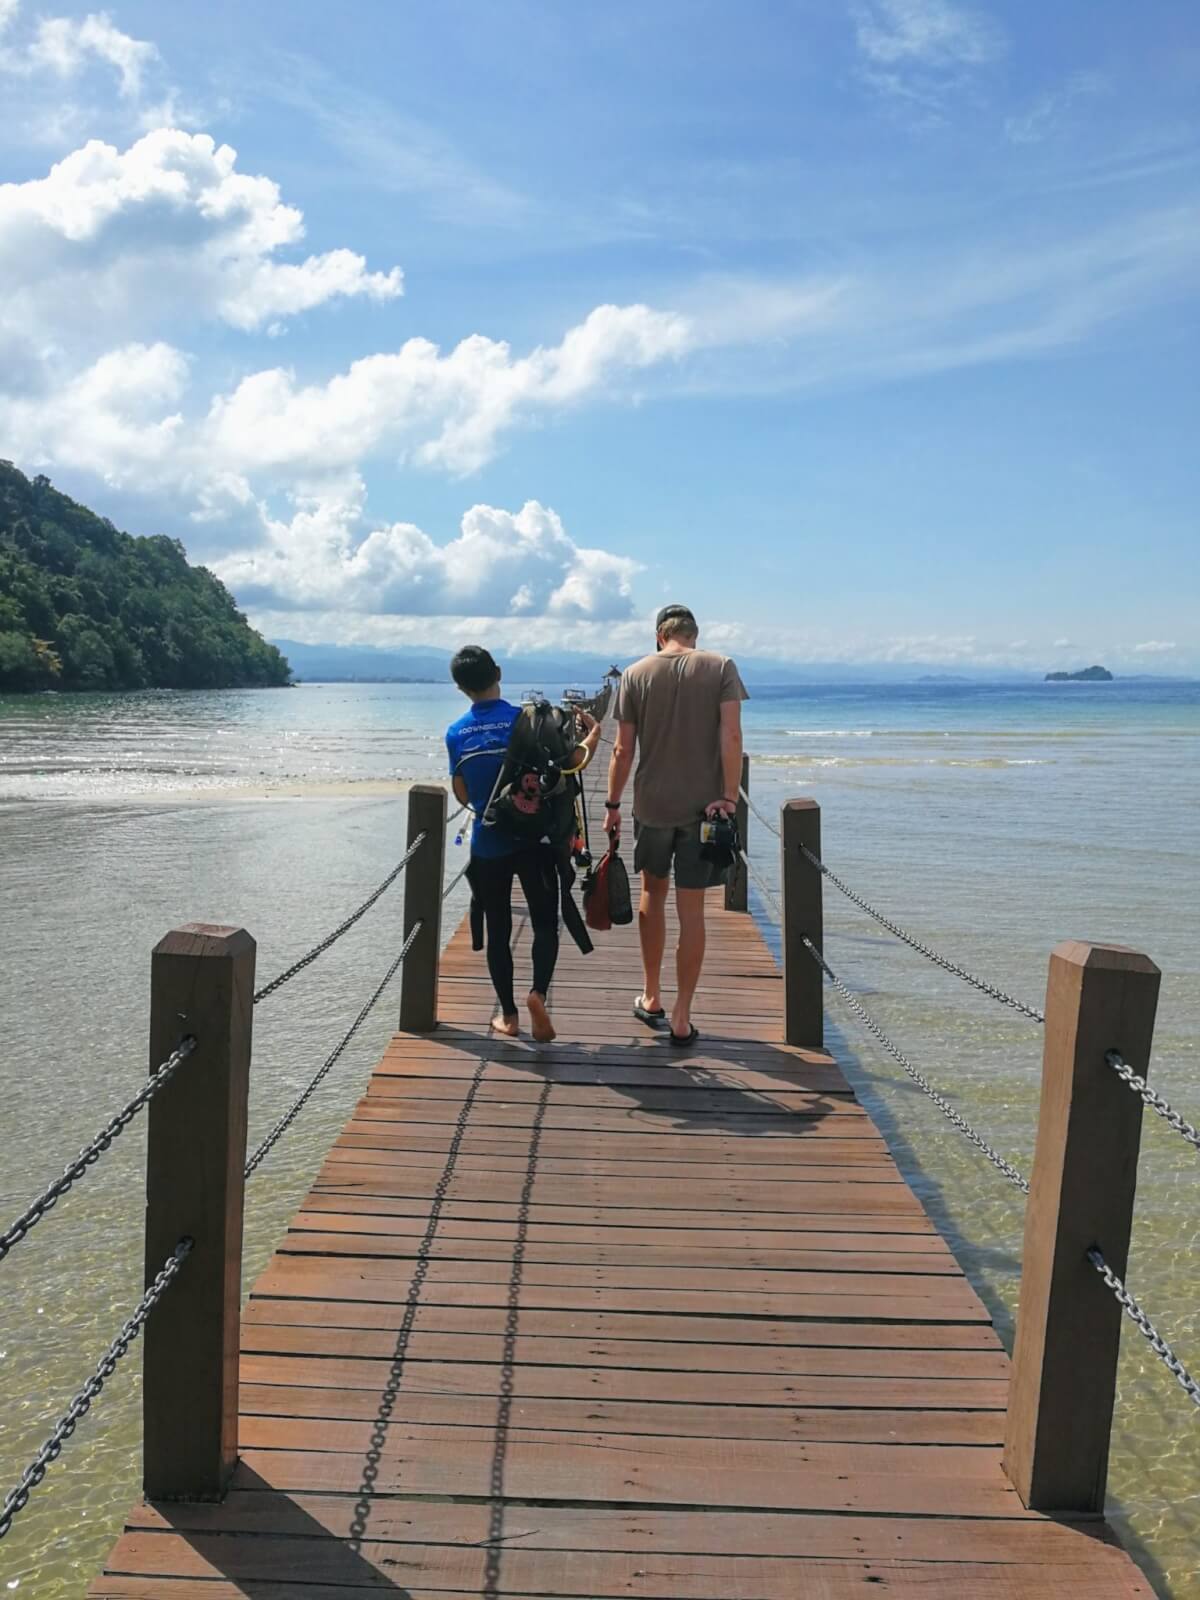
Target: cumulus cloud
point(445, 410)
point(1155, 647)
point(502, 563)
point(66, 46)
point(168, 224)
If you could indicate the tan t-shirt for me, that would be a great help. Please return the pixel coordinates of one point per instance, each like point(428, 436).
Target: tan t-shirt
point(674, 700)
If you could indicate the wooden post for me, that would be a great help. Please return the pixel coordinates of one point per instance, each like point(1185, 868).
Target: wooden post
point(803, 981)
point(423, 904)
point(201, 983)
point(1098, 998)
point(737, 884)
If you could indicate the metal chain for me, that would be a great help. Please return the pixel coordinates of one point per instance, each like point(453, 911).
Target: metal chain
point(343, 927)
point(940, 1101)
point(1155, 1101)
point(289, 1116)
point(455, 880)
point(764, 888)
point(766, 822)
point(952, 967)
point(37, 1469)
point(360, 1518)
point(91, 1153)
point(1137, 1316)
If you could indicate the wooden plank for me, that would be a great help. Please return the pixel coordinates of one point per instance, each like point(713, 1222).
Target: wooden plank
point(352, 1390)
point(592, 1577)
point(305, 1241)
point(915, 1224)
point(337, 1347)
point(305, 1418)
point(262, 1510)
point(597, 1323)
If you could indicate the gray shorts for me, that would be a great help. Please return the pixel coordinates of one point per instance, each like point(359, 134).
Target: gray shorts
point(655, 849)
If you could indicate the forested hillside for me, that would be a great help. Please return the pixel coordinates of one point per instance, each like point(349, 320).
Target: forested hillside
point(83, 606)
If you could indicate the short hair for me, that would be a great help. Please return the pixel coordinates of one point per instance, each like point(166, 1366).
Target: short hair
point(474, 670)
point(676, 622)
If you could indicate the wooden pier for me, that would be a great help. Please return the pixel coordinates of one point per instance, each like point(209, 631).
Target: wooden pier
point(606, 1318)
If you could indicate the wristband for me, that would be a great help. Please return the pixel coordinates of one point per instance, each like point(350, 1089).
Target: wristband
point(612, 805)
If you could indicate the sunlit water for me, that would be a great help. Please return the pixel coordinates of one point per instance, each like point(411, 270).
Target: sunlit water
point(991, 822)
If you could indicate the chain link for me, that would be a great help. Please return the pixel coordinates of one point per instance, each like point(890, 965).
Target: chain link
point(91, 1153)
point(939, 1100)
point(952, 967)
point(456, 880)
point(1144, 1326)
point(37, 1469)
point(868, 1021)
point(765, 820)
point(1155, 1101)
point(361, 1516)
point(294, 1110)
point(343, 927)
point(947, 965)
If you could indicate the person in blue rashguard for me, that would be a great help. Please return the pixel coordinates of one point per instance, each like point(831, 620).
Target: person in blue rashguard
point(477, 744)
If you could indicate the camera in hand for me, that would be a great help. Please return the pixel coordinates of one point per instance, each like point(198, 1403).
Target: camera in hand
point(719, 841)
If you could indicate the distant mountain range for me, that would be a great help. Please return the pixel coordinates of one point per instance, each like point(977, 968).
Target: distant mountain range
point(340, 663)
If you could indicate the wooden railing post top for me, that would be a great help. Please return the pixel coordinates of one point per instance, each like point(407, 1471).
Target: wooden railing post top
point(803, 803)
point(1102, 957)
point(204, 939)
point(427, 788)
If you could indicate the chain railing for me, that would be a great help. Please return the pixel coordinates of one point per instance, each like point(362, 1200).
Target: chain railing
point(1127, 1301)
point(343, 927)
point(456, 880)
point(322, 1072)
point(960, 1122)
point(1156, 1102)
point(18, 1498)
point(1146, 1328)
point(92, 1152)
point(993, 991)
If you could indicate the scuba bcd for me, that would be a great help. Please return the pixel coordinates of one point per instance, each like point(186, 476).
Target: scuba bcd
point(537, 798)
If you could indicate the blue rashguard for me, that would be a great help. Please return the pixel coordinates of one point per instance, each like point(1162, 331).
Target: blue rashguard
point(476, 745)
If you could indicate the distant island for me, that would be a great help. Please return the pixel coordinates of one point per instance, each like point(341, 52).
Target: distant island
point(84, 606)
point(1086, 675)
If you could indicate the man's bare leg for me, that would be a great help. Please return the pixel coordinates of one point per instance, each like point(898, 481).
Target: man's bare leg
point(689, 957)
point(652, 931)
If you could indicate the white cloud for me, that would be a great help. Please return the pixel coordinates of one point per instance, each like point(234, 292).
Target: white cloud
point(120, 411)
point(932, 33)
point(920, 52)
point(501, 563)
point(444, 410)
point(1155, 647)
point(1047, 114)
point(168, 225)
point(65, 46)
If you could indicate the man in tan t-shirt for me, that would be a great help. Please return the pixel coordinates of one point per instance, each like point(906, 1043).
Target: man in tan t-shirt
point(683, 706)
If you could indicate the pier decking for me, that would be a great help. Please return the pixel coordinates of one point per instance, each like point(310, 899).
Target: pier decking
point(610, 1319)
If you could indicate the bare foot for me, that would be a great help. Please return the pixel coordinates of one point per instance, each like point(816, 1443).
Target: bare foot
point(539, 1017)
point(510, 1027)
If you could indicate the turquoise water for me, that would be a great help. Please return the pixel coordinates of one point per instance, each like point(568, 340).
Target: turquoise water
point(992, 821)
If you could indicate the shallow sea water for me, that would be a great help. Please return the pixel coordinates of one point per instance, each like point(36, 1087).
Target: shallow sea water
point(991, 822)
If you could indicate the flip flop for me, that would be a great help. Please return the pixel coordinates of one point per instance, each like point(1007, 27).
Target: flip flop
point(650, 1018)
point(685, 1039)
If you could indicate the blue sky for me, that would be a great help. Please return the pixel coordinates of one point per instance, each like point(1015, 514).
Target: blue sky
point(868, 327)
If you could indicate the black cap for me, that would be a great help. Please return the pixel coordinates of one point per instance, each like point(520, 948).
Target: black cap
point(669, 613)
